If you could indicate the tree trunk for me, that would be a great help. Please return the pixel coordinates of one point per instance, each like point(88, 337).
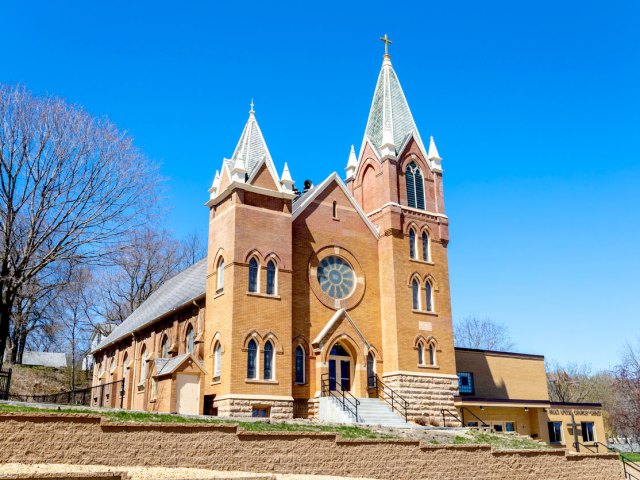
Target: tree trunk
point(5, 320)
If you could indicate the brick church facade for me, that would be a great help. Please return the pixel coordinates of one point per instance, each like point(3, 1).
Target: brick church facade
point(339, 290)
point(348, 279)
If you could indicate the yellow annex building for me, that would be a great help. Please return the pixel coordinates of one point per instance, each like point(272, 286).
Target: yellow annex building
point(330, 303)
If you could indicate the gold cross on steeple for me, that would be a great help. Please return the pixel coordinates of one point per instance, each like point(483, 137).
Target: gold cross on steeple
point(386, 41)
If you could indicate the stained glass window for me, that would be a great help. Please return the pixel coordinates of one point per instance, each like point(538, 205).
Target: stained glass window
point(336, 277)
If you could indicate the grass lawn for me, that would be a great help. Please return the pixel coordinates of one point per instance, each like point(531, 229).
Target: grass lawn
point(634, 457)
point(123, 416)
point(502, 442)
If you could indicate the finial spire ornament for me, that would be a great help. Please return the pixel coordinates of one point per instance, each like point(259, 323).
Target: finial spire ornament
point(387, 42)
point(252, 105)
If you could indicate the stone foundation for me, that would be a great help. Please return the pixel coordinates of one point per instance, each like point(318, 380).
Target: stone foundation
point(243, 407)
point(427, 396)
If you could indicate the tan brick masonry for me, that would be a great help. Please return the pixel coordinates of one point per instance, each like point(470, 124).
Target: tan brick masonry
point(87, 439)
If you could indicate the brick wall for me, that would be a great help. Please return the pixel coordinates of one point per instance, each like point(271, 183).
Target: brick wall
point(85, 439)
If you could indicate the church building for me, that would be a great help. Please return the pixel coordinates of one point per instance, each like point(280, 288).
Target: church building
point(337, 294)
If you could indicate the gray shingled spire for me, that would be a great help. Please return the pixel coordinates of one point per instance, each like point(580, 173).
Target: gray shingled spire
point(390, 121)
point(251, 148)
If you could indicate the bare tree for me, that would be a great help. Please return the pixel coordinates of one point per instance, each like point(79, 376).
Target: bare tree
point(193, 249)
point(625, 414)
point(571, 383)
point(482, 333)
point(70, 187)
point(147, 260)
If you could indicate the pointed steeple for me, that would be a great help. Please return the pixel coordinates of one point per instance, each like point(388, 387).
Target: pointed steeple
point(251, 148)
point(390, 121)
point(352, 164)
point(285, 180)
point(433, 156)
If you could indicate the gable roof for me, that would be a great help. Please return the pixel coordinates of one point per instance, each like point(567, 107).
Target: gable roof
point(166, 366)
point(389, 112)
point(324, 334)
point(175, 293)
point(307, 199)
point(251, 148)
point(44, 359)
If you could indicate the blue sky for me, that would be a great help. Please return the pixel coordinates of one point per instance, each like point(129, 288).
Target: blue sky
point(535, 108)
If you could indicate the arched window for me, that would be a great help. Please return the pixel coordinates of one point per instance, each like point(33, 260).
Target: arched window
point(300, 361)
point(415, 186)
point(190, 339)
point(143, 365)
point(220, 284)
point(432, 354)
point(412, 243)
point(268, 361)
point(371, 371)
point(420, 354)
point(253, 275)
point(252, 357)
point(425, 247)
point(335, 209)
point(415, 287)
point(271, 278)
point(428, 288)
point(164, 348)
point(217, 361)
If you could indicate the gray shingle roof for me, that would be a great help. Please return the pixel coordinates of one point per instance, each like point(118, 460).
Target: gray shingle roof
point(45, 359)
point(166, 366)
point(251, 147)
point(173, 294)
point(390, 108)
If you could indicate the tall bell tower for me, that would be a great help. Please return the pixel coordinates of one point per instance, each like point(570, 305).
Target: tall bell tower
point(398, 183)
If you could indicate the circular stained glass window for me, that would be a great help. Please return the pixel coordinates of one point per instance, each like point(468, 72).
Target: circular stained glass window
point(336, 277)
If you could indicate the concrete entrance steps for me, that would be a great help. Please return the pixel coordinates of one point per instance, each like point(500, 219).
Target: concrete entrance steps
point(378, 412)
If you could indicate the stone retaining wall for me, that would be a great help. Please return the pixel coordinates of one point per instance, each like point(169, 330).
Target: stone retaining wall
point(87, 439)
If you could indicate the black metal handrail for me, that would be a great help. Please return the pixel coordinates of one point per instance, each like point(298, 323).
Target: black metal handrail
point(462, 410)
point(97, 396)
point(347, 401)
point(629, 464)
point(389, 395)
point(454, 415)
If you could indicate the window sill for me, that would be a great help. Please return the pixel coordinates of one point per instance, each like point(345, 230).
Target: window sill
point(216, 381)
point(153, 400)
point(219, 293)
point(432, 367)
point(424, 262)
point(424, 312)
point(263, 295)
point(259, 380)
point(140, 387)
point(298, 384)
point(335, 219)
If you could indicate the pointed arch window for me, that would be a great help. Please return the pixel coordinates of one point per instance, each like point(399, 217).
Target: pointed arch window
point(415, 186)
point(252, 358)
point(420, 354)
point(217, 361)
point(412, 243)
point(143, 365)
point(253, 275)
point(415, 289)
point(300, 367)
point(271, 278)
point(164, 348)
point(432, 354)
point(190, 339)
point(425, 247)
point(428, 288)
point(335, 209)
point(220, 279)
point(371, 371)
point(268, 361)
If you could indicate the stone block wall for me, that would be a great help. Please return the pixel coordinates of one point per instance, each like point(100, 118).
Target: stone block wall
point(234, 407)
point(87, 439)
point(427, 395)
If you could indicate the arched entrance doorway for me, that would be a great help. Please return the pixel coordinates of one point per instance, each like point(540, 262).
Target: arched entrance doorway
point(341, 368)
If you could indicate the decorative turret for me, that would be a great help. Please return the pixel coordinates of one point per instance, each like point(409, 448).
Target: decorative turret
point(352, 164)
point(434, 157)
point(213, 191)
point(285, 180)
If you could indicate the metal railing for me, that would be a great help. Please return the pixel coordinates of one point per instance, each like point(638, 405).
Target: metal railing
point(483, 424)
point(631, 469)
point(444, 411)
point(5, 384)
point(386, 393)
point(105, 395)
point(348, 402)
